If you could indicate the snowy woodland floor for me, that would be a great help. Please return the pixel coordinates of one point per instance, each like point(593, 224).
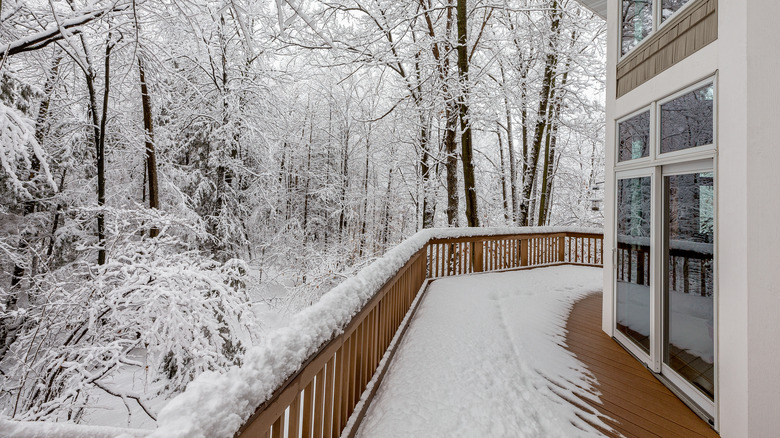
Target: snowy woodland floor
point(485, 356)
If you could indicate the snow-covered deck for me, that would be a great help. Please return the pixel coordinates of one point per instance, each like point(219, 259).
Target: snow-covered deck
point(520, 354)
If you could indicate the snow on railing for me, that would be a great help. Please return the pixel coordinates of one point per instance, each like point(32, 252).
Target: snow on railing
point(307, 378)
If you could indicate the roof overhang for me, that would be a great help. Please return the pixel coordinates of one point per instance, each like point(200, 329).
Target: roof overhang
point(599, 7)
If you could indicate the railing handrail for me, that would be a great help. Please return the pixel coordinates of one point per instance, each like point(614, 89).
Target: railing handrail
point(355, 297)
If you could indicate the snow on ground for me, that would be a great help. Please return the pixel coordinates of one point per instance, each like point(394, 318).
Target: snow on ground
point(39, 429)
point(479, 358)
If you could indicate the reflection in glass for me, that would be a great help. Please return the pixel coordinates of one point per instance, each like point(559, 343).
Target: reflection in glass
point(634, 137)
point(687, 121)
point(689, 344)
point(636, 24)
point(669, 7)
point(633, 263)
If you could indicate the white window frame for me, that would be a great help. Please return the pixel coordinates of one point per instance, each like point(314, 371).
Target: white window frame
point(658, 17)
point(707, 149)
point(625, 341)
point(657, 25)
point(638, 162)
point(703, 402)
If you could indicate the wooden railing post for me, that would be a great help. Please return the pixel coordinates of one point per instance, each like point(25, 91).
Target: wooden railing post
point(524, 252)
point(562, 248)
point(477, 261)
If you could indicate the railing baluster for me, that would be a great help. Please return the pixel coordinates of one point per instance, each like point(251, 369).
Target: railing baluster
point(338, 397)
point(277, 427)
point(359, 362)
point(350, 380)
point(293, 424)
point(306, 420)
point(537, 258)
point(460, 257)
point(319, 403)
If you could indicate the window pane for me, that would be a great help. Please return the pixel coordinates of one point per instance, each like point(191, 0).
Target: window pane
point(633, 260)
point(634, 137)
point(690, 346)
point(669, 7)
point(687, 122)
point(637, 22)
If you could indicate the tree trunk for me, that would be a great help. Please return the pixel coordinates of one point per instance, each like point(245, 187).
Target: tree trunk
point(472, 216)
point(388, 194)
point(151, 156)
point(511, 155)
point(451, 164)
point(552, 140)
point(542, 118)
point(425, 169)
point(344, 184)
point(101, 157)
point(547, 171)
point(363, 225)
point(524, 137)
point(451, 108)
point(507, 216)
point(428, 202)
point(305, 225)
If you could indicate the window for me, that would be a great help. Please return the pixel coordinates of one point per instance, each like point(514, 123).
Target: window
point(639, 19)
point(634, 137)
point(687, 121)
point(669, 7)
point(680, 124)
point(637, 23)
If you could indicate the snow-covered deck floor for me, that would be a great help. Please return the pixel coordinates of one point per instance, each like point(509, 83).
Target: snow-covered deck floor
point(489, 355)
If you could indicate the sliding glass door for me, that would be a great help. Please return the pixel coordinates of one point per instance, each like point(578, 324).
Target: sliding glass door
point(634, 243)
point(665, 288)
point(689, 289)
point(664, 251)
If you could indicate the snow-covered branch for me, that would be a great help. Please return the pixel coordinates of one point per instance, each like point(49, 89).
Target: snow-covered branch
point(45, 37)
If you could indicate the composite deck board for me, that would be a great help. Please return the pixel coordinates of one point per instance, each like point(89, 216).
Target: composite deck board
point(633, 402)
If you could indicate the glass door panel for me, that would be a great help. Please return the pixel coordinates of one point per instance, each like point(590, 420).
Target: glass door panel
point(633, 260)
point(689, 293)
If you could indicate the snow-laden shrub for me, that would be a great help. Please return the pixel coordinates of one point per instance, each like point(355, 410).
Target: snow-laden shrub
point(156, 310)
point(18, 149)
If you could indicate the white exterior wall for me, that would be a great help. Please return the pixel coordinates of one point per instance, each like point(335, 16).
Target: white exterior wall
point(746, 58)
point(763, 217)
point(732, 221)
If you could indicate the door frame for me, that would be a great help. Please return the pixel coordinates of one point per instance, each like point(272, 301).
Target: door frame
point(624, 340)
point(704, 165)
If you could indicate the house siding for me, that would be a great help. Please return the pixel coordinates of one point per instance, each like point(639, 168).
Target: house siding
point(683, 35)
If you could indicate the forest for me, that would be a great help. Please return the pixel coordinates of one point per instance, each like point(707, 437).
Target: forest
point(179, 176)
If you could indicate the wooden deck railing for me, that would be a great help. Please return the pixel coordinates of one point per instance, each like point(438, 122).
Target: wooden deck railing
point(447, 257)
point(319, 399)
